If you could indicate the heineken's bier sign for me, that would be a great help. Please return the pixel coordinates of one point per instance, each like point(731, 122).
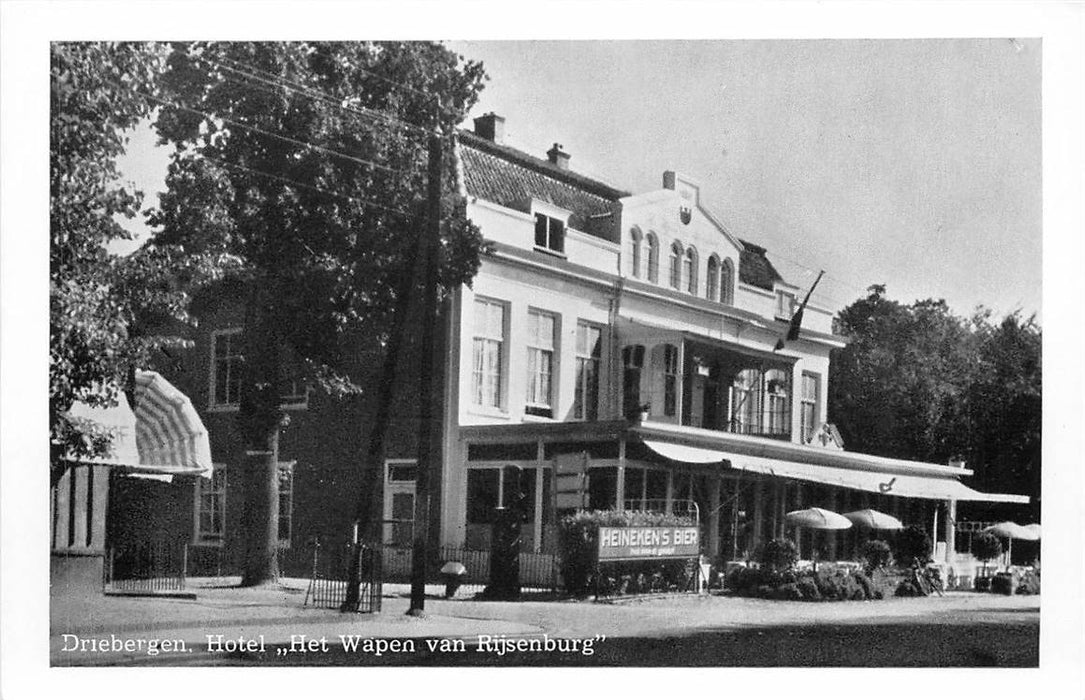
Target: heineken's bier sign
point(648, 543)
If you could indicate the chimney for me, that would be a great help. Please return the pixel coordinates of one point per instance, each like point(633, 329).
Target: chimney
point(491, 127)
point(558, 157)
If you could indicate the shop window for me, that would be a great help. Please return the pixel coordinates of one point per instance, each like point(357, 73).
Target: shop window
point(483, 491)
point(549, 233)
point(540, 363)
point(488, 349)
point(589, 353)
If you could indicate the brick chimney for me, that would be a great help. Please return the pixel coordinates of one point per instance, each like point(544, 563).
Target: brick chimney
point(558, 157)
point(491, 127)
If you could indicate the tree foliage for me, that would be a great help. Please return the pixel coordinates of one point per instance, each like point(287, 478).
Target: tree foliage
point(918, 382)
point(101, 305)
point(306, 162)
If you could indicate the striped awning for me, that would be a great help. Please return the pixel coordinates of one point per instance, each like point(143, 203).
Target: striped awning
point(162, 436)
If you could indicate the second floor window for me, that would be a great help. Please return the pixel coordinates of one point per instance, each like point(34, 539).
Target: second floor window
point(226, 361)
point(670, 380)
point(778, 406)
point(676, 265)
point(634, 257)
point(633, 362)
point(487, 354)
point(549, 233)
point(540, 363)
point(689, 271)
point(712, 279)
point(653, 258)
point(589, 352)
point(727, 282)
point(808, 419)
point(785, 305)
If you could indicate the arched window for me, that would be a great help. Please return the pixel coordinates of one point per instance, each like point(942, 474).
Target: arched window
point(727, 283)
point(712, 279)
point(653, 258)
point(689, 271)
point(634, 257)
point(676, 265)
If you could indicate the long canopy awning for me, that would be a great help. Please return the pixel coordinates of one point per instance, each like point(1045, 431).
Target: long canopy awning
point(163, 436)
point(906, 483)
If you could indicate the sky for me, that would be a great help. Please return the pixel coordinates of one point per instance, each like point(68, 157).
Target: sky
point(910, 163)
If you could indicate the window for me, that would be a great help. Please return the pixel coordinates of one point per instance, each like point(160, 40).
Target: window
point(809, 415)
point(226, 359)
point(779, 406)
point(286, 503)
point(689, 271)
point(634, 257)
point(589, 351)
point(483, 492)
point(670, 380)
point(633, 362)
point(653, 259)
point(785, 305)
point(549, 233)
point(211, 507)
point(676, 265)
point(727, 282)
point(540, 363)
point(746, 402)
point(227, 362)
point(712, 279)
point(488, 354)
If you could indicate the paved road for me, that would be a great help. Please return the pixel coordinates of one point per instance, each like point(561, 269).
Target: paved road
point(957, 630)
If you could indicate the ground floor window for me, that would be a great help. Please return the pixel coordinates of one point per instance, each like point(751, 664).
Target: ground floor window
point(211, 507)
point(508, 487)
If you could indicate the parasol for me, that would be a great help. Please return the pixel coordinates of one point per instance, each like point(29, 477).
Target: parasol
point(874, 520)
point(817, 519)
point(1011, 531)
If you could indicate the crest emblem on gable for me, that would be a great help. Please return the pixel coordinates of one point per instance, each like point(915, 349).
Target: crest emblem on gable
point(685, 213)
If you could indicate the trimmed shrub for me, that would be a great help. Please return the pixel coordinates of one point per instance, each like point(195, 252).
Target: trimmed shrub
point(865, 583)
point(808, 589)
point(986, 547)
point(876, 555)
point(578, 541)
point(912, 543)
point(1004, 583)
point(779, 555)
point(982, 583)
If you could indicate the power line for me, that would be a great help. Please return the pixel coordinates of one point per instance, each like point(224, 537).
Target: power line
point(305, 144)
point(333, 193)
point(312, 93)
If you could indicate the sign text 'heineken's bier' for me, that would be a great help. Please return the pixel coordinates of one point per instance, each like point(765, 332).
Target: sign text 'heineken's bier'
point(648, 543)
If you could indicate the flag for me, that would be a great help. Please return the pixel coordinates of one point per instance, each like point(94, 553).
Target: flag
point(796, 318)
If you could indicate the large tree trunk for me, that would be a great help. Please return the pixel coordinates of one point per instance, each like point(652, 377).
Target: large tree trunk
point(259, 420)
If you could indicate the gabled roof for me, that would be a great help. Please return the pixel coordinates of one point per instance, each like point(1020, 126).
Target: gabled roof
point(754, 267)
point(509, 177)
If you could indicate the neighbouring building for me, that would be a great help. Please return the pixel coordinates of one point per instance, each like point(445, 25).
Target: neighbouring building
point(626, 340)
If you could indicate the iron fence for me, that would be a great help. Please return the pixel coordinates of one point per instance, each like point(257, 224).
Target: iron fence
point(146, 567)
point(538, 571)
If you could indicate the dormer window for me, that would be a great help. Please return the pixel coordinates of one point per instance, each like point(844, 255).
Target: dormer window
point(549, 233)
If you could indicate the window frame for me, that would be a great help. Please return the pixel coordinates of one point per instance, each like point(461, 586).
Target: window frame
point(727, 282)
point(783, 314)
point(712, 278)
point(636, 239)
point(806, 431)
point(231, 360)
point(545, 408)
point(676, 259)
point(653, 258)
point(549, 235)
point(287, 467)
point(583, 359)
point(201, 537)
point(689, 270)
point(478, 382)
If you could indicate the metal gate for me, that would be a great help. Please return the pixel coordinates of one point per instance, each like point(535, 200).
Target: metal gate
point(146, 567)
point(328, 581)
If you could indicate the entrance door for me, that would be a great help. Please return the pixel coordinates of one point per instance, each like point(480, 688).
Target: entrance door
point(399, 503)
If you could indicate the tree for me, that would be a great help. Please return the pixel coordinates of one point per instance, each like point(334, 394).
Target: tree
point(918, 382)
point(307, 161)
point(100, 304)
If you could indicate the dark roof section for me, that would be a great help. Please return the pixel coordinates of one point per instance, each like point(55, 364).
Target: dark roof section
point(754, 267)
point(508, 177)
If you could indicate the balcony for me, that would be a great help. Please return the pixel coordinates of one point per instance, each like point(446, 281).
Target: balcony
point(674, 378)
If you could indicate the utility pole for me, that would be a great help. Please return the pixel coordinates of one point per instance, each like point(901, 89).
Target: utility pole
point(428, 327)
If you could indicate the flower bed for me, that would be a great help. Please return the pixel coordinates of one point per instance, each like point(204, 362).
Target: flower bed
point(826, 584)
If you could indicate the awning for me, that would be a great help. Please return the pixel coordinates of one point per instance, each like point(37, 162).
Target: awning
point(162, 437)
point(889, 484)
